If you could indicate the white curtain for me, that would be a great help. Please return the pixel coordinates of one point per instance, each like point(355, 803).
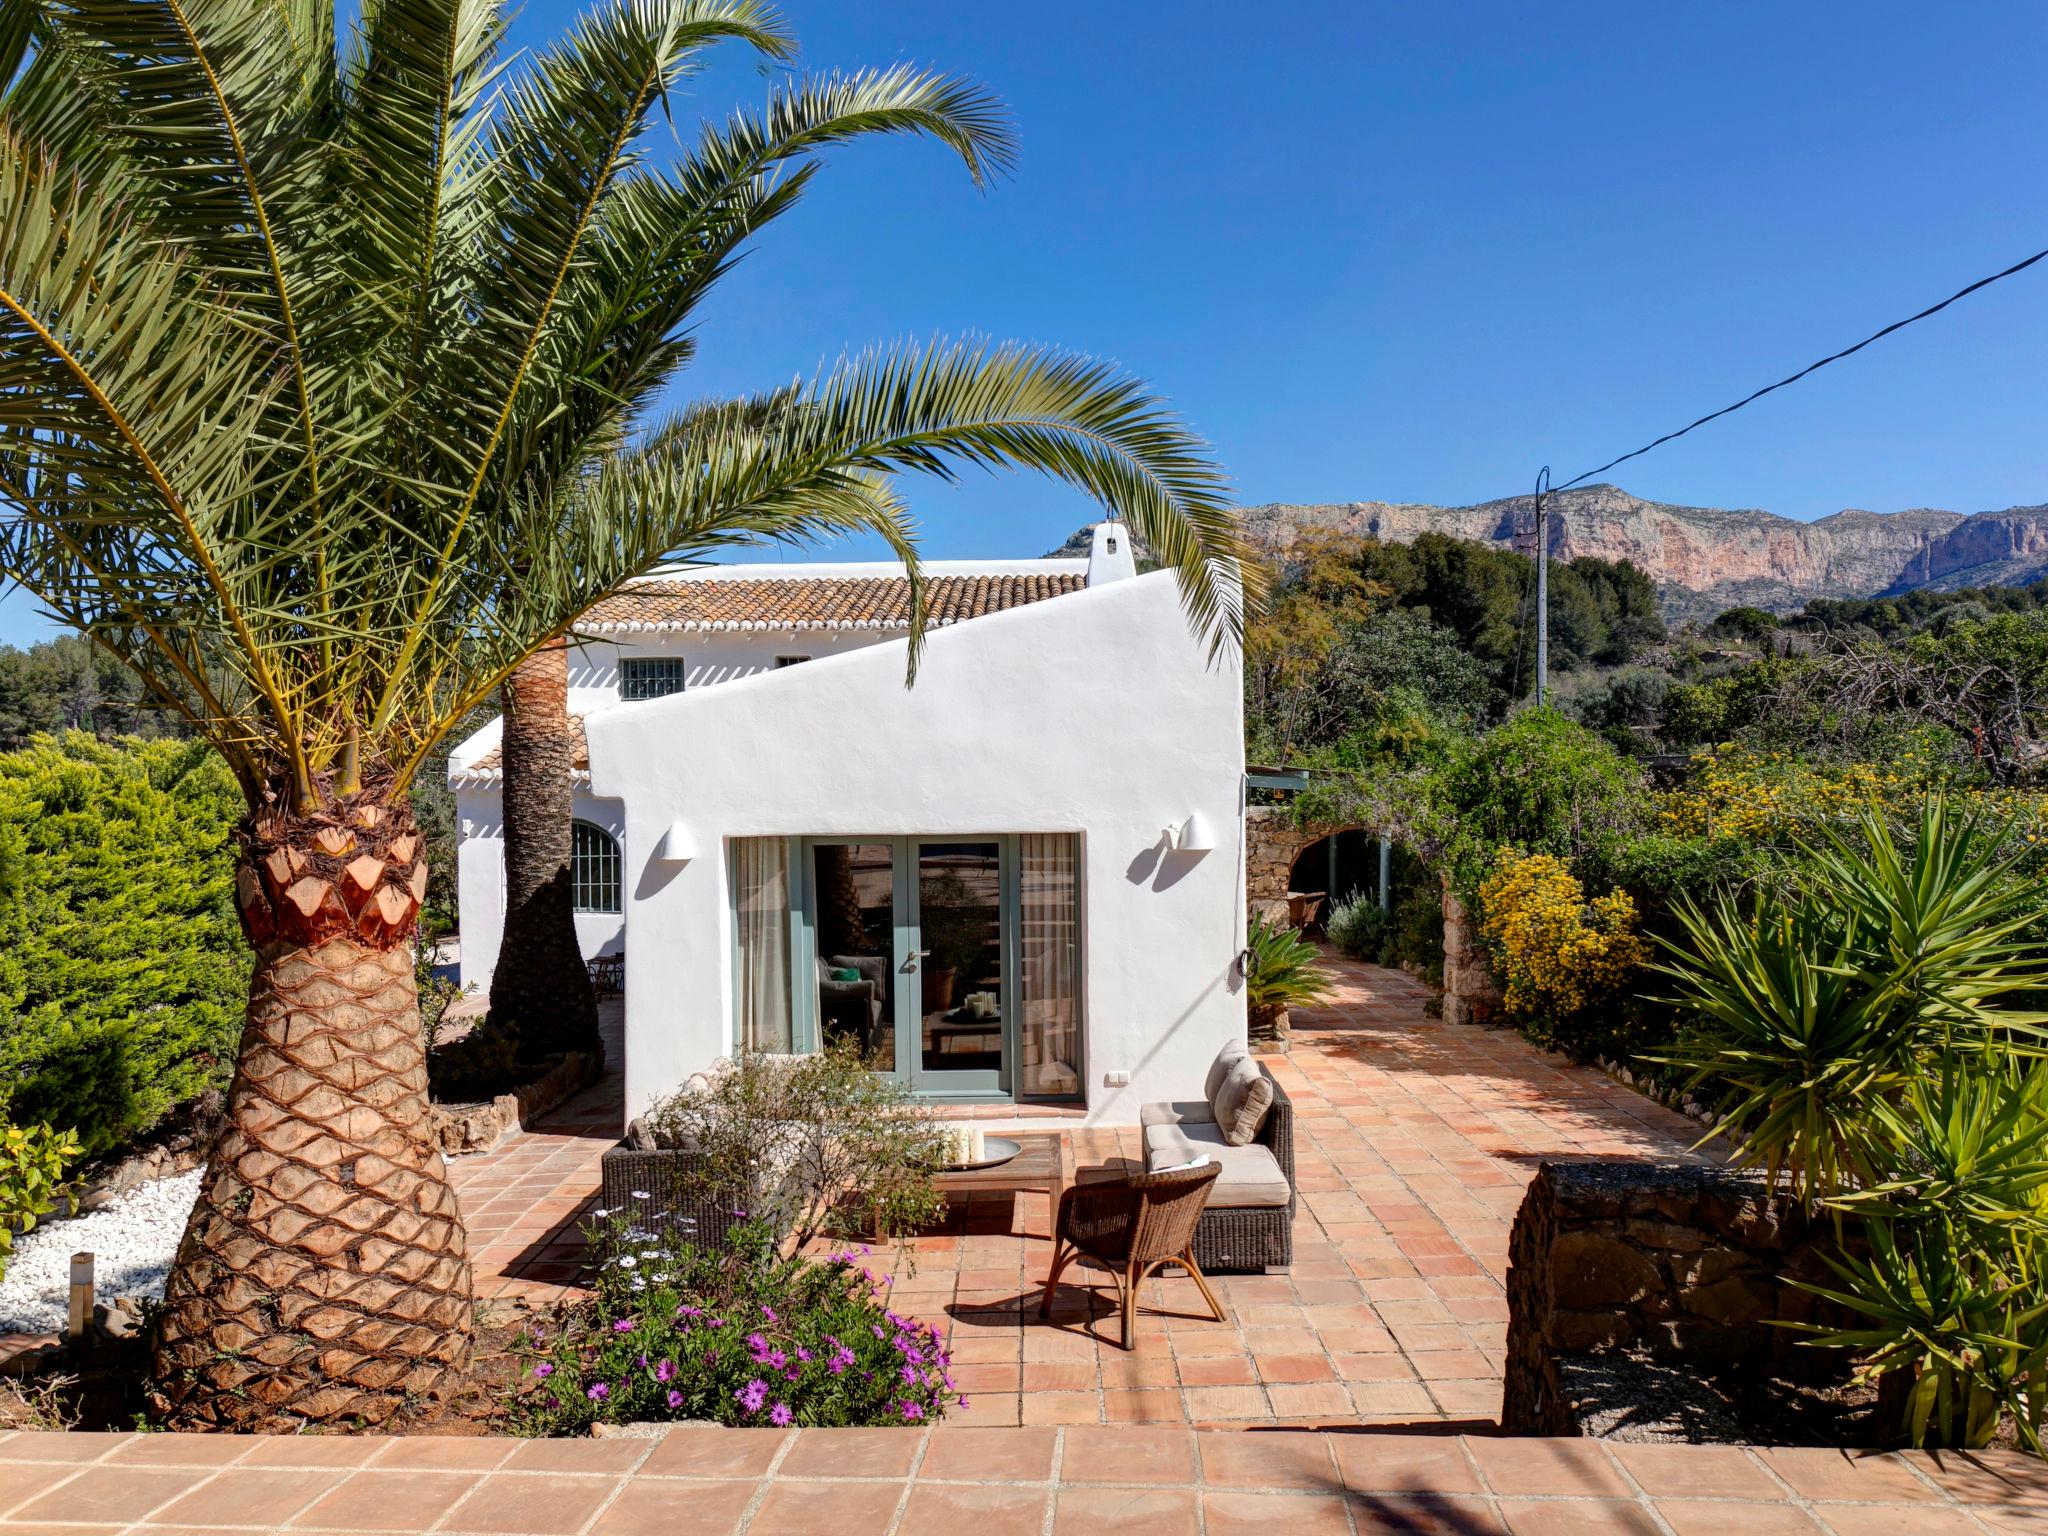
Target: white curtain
point(760, 877)
point(1049, 950)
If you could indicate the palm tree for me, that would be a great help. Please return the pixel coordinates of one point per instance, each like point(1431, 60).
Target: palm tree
point(324, 365)
point(539, 987)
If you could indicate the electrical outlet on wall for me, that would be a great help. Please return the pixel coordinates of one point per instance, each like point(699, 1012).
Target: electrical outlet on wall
point(1116, 1079)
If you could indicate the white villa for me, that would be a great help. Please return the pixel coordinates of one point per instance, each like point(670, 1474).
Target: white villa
point(1019, 881)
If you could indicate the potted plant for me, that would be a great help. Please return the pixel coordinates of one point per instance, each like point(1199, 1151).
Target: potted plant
point(1281, 969)
point(955, 923)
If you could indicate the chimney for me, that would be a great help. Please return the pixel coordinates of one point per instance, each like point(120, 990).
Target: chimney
point(1109, 556)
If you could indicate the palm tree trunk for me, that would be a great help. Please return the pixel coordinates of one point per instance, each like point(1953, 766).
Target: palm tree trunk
point(540, 986)
point(324, 1274)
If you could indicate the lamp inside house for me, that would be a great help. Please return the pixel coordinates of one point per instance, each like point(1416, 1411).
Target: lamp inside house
point(677, 846)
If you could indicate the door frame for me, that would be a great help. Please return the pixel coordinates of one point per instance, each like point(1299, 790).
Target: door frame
point(907, 1011)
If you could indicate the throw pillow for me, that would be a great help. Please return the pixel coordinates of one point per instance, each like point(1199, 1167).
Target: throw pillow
point(845, 973)
point(1241, 1103)
point(1232, 1053)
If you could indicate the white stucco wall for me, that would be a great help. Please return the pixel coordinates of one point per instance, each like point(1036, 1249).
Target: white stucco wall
point(480, 875)
point(708, 658)
point(1097, 713)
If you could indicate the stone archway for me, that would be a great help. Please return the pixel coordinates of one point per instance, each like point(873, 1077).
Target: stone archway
point(1273, 840)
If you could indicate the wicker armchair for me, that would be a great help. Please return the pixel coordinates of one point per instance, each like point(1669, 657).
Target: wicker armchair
point(1133, 1226)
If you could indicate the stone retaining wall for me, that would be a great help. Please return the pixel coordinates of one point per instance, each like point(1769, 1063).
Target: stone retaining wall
point(1688, 1263)
point(460, 1128)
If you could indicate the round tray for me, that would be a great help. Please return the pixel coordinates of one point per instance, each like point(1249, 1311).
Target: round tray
point(999, 1150)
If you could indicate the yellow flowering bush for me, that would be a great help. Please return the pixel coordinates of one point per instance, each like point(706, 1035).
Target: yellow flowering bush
point(1557, 953)
point(1776, 798)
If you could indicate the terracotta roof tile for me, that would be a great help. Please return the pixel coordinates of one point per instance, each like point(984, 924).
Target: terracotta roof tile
point(492, 763)
point(846, 602)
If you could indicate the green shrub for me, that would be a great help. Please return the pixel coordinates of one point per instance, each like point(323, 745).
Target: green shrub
point(123, 972)
point(1857, 1031)
point(33, 1161)
point(736, 1335)
point(812, 1145)
point(1357, 927)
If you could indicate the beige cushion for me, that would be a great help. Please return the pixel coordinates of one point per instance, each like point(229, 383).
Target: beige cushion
point(1232, 1053)
point(1178, 1112)
point(1251, 1175)
point(1242, 1100)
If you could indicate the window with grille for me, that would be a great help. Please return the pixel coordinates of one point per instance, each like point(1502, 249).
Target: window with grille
point(650, 677)
point(789, 661)
point(594, 866)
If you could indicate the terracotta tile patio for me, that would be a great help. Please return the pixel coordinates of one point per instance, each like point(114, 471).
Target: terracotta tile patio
point(1414, 1143)
point(1134, 1480)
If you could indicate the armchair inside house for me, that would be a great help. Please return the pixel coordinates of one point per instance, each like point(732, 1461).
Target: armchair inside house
point(851, 1007)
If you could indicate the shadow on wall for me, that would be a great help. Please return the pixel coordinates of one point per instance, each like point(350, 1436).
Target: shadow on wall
point(1164, 865)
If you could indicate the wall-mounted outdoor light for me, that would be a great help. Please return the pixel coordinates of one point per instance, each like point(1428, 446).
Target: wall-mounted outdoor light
point(677, 846)
point(1192, 836)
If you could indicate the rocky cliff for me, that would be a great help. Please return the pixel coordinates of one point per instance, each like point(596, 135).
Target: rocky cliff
point(1706, 559)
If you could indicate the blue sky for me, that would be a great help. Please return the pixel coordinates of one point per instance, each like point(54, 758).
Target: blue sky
point(1414, 252)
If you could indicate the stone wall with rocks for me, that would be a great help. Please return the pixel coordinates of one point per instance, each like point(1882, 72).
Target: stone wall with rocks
point(1685, 1263)
point(1273, 840)
point(460, 1128)
point(1470, 994)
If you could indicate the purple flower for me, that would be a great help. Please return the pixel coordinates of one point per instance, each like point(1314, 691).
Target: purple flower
point(912, 1412)
point(666, 1371)
point(759, 1345)
point(598, 1392)
point(769, 1313)
point(780, 1415)
point(543, 1370)
point(753, 1395)
point(675, 1400)
point(776, 1360)
point(803, 1354)
point(623, 1325)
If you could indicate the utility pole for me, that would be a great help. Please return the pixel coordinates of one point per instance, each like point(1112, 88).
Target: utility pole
point(1542, 587)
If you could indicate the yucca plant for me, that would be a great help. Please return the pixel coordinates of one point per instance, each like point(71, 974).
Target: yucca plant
point(1951, 1289)
point(324, 368)
point(1805, 1012)
point(1282, 970)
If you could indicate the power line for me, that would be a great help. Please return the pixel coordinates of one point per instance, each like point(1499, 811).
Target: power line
point(1897, 325)
point(1542, 487)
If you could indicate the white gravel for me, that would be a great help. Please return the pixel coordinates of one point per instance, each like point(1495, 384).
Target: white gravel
point(132, 1243)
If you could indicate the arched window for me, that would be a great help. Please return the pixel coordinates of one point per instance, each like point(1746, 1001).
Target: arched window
point(594, 868)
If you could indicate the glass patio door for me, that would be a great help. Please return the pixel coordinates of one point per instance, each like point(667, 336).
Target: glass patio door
point(910, 952)
point(959, 1042)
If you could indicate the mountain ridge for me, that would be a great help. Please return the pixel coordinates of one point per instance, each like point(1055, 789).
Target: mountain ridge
point(1707, 559)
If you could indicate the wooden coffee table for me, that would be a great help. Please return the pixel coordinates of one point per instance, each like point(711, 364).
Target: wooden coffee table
point(1044, 1161)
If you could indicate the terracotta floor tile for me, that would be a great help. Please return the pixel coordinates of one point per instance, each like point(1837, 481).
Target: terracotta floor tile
point(1129, 1454)
point(1704, 1517)
point(1210, 1404)
point(185, 1450)
point(312, 1451)
point(1894, 1519)
point(389, 1499)
point(664, 1508)
point(1988, 1477)
point(1244, 1514)
point(110, 1495)
point(533, 1504)
point(1273, 1460)
point(447, 1453)
point(1578, 1517)
point(851, 1453)
point(1125, 1512)
point(1062, 1407)
point(249, 1496)
point(37, 1445)
point(22, 1481)
point(1378, 1515)
point(1826, 1474)
point(827, 1509)
point(1697, 1472)
point(1547, 1468)
point(982, 1455)
point(943, 1510)
point(584, 1455)
point(1404, 1464)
